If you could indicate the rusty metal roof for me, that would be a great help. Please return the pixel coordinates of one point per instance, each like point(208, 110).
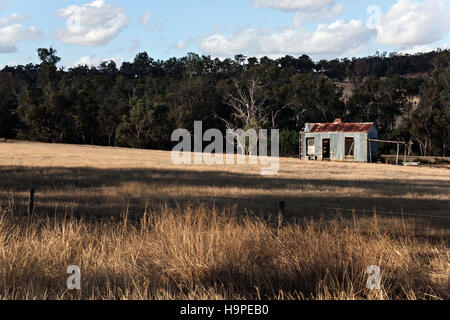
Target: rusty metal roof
point(340, 127)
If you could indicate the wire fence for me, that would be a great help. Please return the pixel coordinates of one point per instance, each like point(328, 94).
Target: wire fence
point(392, 213)
point(282, 207)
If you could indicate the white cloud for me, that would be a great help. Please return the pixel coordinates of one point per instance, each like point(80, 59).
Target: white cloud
point(181, 45)
point(425, 48)
point(305, 10)
point(150, 16)
point(12, 19)
point(331, 40)
point(12, 32)
point(88, 61)
point(293, 5)
point(411, 23)
point(92, 24)
point(93, 60)
point(325, 13)
point(146, 17)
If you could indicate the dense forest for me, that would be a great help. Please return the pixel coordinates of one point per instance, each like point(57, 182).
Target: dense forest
point(142, 102)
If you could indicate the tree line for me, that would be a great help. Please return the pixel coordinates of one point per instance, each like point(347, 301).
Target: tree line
point(140, 103)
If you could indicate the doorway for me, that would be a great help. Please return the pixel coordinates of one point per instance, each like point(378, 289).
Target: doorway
point(350, 148)
point(326, 149)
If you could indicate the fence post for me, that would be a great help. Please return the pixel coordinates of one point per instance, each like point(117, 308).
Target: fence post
point(398, 152)
point(281, 214)
point(405, 159)
point(31, 202)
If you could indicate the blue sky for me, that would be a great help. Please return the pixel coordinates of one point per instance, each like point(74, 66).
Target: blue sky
point(90, 31)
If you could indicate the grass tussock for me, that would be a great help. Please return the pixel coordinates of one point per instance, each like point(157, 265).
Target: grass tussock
point(198, 252)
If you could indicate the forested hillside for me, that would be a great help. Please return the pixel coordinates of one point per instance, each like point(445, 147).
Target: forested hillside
point(140, 103)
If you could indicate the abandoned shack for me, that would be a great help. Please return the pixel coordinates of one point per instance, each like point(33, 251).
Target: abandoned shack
point(339, 141)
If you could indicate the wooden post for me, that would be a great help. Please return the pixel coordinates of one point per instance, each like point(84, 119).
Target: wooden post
point(31, 202)
point(370, 150)
point(300, 143)
point(398, 152)
point(281, 214)
point(404, 160)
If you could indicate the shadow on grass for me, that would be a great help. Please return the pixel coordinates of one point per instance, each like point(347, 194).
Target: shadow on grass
point(60, 188)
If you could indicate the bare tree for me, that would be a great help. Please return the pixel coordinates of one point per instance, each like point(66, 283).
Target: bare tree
point(249, 107)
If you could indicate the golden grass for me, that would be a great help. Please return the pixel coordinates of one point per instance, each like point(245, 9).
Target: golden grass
point(142, 228)
point(203, 254)
point(98, 180)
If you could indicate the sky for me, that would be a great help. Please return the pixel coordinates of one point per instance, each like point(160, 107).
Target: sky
point(92, 31)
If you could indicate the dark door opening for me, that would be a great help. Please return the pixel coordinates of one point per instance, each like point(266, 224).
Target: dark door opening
point(326, 149)
point(349, 147)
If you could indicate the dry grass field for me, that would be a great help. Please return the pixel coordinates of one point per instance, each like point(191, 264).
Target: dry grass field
point(141, 227)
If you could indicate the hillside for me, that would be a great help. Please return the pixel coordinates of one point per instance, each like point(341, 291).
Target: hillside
point(140, 103)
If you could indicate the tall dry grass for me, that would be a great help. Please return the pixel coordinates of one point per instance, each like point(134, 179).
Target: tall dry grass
point(142, 228)
point(199, 252)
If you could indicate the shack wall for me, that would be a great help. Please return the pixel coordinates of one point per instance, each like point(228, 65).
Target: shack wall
point(337, 145)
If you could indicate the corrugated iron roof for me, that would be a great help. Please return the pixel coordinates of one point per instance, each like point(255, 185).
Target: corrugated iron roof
point(340, 127)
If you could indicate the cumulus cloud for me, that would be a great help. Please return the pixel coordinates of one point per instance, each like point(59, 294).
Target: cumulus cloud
point(306, 10)
point(335, 39)
point(425, 48)
point(325, 13)
point(92, 24)
point(12, 19)
point(293, 5)
point(328, 40)
point(411, 23)
point(88, 61)
point(12, 32)
point(93, 60)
